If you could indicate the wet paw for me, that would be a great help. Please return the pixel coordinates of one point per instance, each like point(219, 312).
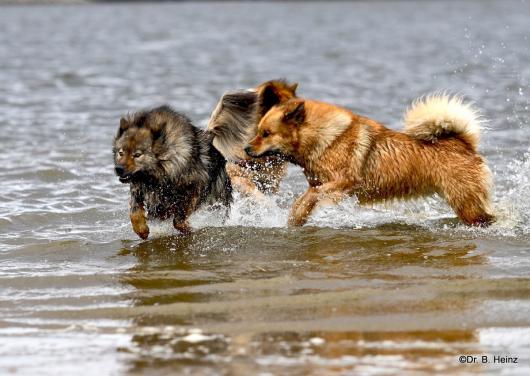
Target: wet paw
point(139, 224)
point(296, 222)
point(142, 231)
point(184, 228)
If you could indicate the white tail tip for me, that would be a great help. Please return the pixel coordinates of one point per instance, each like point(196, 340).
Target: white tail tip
point(441, 116)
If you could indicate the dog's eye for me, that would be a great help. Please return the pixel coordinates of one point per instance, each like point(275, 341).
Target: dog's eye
point(137, 154)
point(120, 153)
point(265, 134)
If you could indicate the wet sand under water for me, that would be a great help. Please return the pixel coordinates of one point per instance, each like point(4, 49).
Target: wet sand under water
point(396, 289)
point(393, 298)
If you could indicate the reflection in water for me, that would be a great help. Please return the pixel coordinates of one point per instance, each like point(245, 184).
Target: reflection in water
point(318, 300)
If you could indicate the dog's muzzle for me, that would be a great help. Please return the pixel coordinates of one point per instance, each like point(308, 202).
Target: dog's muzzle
point(120, 171)
point(268, 153)
point(249, 152)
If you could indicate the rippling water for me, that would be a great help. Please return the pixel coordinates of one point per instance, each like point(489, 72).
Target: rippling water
point(400, 288)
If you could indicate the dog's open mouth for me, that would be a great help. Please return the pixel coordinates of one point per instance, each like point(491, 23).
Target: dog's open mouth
point(267, 153)
point(270, 153)
point(125, 178)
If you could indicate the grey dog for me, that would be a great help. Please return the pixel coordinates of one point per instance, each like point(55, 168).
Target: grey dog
point(171, 166)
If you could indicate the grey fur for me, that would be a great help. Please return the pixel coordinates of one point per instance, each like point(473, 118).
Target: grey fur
point(178, 169)
point(234, 122)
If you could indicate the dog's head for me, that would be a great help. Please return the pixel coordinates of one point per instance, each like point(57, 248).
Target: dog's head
point(272, 93)
point(138, 142)
point(235, 118)
point(278, 130)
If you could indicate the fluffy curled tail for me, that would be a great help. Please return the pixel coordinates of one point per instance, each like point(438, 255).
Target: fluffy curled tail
point(443, 116)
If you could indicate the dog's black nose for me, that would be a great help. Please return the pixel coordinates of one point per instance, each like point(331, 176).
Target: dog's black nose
point(248, 150)
point(119, 170)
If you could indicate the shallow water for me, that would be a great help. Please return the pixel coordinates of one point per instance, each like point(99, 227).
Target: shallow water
point(400, 288)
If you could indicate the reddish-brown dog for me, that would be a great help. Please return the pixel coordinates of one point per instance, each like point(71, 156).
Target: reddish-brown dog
point(345, 154)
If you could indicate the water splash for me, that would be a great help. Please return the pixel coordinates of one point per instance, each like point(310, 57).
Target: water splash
point(510, 204)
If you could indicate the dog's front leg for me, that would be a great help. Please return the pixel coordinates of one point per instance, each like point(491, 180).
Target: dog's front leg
point(332, 191)
point(302, 207)
point(138, 221)
point(180, 220)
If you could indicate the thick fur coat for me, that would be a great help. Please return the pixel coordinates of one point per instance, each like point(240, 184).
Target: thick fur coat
point(171, 166)
point(345, 154)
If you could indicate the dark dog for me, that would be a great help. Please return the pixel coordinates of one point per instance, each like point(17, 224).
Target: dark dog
point(171, 166)
point(234, 123)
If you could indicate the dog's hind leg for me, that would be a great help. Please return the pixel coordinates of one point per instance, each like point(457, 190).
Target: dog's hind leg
point(180, 220)
point(246, 187)
point(268, 179)
point(182, 226)
point(469, 198)
point(471, 209)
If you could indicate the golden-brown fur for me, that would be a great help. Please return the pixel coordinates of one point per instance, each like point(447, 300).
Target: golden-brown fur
point(345, 154)
point(234, 122)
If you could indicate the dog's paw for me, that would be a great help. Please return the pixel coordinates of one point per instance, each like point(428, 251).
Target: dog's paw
point(142, 232)
point(184, 228)
point(139, 224)
point(296, 221)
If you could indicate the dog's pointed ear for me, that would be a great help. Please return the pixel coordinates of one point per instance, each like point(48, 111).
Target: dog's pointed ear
point(295, 113)
point(274, 92)
point(269, 98)
point(124, 125)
